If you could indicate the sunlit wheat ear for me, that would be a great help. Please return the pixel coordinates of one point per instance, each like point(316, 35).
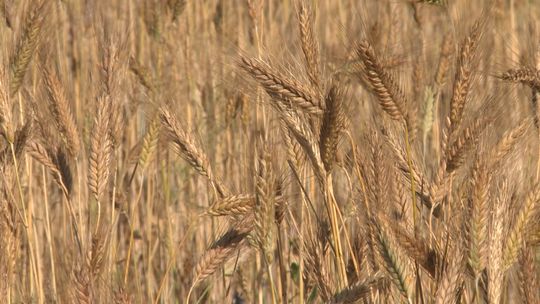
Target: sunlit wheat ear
point(388, 93)
point(185, 146)
point(463, 77)
point(287, 91)
point(222, 249)
point(121, 296)
point(433, 2)
point(392, 262)
point(27, 43)
point(334, 123)
point(150, 142)
point(100, 151)
point(310, 45)
point(449, 287)
point(427, 121)
point(232, 205)
point(459, 149)
point(61, 111)
point(47, 159)
point(294, 150)
point(416, 248)
point(21, 138)
point(526, 75)
point(82, 292)
point(302, 132)
point(6, 116)
point(360, 291)
point(478, 220)
point(447, 49)
point(516, 236)
point(142, 74)
point(177, 7)
point(97, 254)
point(528, 276)
point(508, 141)
point(315, 268)
point(412, 174)
point(111, 70)
point(264, 209)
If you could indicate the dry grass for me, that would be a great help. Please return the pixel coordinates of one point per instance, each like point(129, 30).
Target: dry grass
point(261, 151)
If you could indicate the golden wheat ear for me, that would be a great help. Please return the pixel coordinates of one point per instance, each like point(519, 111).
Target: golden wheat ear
point(185, 146)
point(61, 111)
point(27, 44)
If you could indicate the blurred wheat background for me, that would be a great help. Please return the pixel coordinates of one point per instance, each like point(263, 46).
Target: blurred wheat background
point(259, 151)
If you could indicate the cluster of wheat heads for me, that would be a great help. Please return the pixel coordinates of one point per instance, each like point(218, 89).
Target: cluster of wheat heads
point(261, 151)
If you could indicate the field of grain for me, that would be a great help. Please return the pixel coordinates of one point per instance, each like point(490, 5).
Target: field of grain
point(265, 151)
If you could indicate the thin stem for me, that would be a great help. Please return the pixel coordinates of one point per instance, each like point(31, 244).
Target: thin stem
point(49, 235)
point(409, 162)
point(131, 232)
point(25, 216)
point(271, 278)
point(171, 263)
point(332, 208)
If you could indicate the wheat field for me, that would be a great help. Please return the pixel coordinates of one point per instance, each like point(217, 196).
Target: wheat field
point(264, 151)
